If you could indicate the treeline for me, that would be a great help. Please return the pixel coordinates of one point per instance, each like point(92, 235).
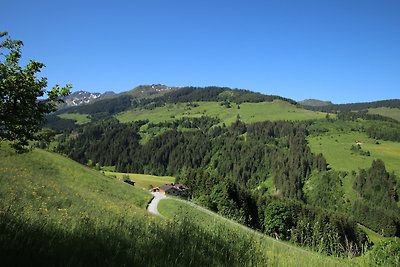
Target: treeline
point(203, 123)
point(384, 128)
point(226, 169)
point(352, 116)
point(323, 231)
point(377, 208)
point(391, 103)
point(214, 93)
point(59, 124)
point(390, 132)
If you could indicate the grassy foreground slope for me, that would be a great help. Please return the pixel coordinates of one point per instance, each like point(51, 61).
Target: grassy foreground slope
point(248, 112)
point(55, 212)
point(279, 253)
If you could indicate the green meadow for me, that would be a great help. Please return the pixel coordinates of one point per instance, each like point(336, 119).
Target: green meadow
point(248, 112)
point(393, 113)
point(143, 181)
point(336, 147)
point(78, 118)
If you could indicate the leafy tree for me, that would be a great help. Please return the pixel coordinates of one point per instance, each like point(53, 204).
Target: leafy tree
point(21, 109)
point(278, 220)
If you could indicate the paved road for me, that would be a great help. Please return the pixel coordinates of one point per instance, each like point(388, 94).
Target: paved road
point(152, 207)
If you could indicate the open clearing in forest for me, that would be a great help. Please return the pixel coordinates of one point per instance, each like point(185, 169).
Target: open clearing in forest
point(336, 147)
point(143, 181)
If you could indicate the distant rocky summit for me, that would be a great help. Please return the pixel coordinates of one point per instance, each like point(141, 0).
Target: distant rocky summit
point(83, 97)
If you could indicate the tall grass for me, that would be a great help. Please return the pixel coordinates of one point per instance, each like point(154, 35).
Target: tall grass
point(56, 212)
point(118, 241)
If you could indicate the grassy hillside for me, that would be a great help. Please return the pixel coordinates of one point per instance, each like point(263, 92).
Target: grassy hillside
point(336, 147)
point(279, 253)
point(143, 181)
point(78, 118)
point(393, 113)
point(55, 212)
point(248, 112)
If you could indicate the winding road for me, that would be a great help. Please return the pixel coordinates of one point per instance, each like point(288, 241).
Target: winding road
point(152, 207)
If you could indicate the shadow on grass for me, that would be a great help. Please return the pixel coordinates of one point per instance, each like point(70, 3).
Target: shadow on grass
point(140, 241)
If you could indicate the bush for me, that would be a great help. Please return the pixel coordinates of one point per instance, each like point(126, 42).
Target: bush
point(386, 253)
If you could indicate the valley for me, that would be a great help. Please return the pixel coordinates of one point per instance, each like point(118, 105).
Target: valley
point(289, 183)
point(200, 133)
point(77, 205)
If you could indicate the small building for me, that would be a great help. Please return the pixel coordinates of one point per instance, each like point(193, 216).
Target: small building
point(155, 189)
point(171, 189)
point(129, 181)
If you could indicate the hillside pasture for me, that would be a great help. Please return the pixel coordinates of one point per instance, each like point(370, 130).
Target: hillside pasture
point(143, 181)
point(78, 118)
point(248, 112)
point(336, 147)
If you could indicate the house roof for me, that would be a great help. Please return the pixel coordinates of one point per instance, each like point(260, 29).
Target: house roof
point(166, 187)
point(179, 187)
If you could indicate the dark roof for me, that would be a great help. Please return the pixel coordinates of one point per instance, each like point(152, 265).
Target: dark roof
point(180, 187)
point(166, 187)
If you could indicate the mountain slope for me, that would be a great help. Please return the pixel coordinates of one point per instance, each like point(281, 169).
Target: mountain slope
point(151, 91)
point(315, 103)
point(55, 212)
point(248, 112)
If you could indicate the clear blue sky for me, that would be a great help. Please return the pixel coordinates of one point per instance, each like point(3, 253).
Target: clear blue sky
point(338, 50)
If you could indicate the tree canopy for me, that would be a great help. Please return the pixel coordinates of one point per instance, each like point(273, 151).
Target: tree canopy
point(22, 106)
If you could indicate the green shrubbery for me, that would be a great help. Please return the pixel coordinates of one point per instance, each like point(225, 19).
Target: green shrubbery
point(386, 253)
